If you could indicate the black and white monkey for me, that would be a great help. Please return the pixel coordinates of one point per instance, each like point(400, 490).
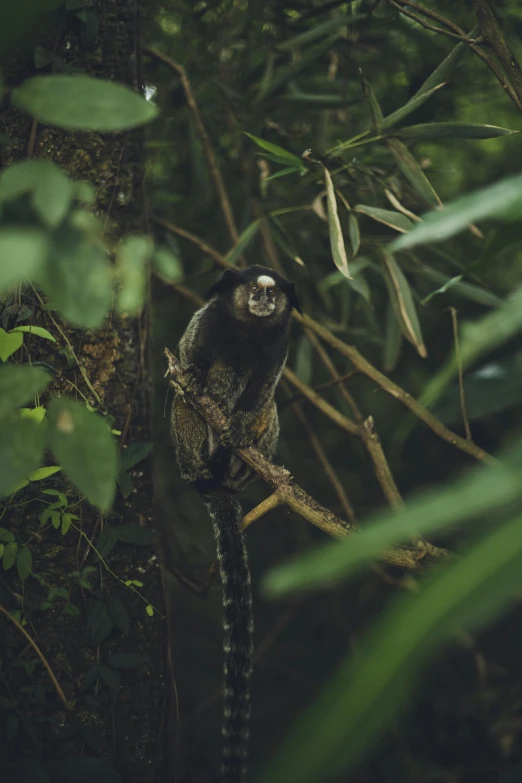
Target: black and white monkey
point(234, 349)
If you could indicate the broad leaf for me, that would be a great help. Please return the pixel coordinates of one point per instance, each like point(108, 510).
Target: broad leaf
point(502, 201)
point(10, 342)
point(77, 279)
point(85, 448)
point(83, 103)
point(119, 614)
point(9, 557)
point(167, 265)
point(133, 255)
point(24, 562)
point(127, 660)
point(22, 253)
point(98, 620)
point(21, 447)
point(19, 384)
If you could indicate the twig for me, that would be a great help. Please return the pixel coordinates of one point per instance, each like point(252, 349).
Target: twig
point(462, 394)
point(42, 657)
point(358, 361)
point(333, 414)
point(492, 34)
point(492, 65)
point(205, 139)
point(433, 29)
point(286, 490)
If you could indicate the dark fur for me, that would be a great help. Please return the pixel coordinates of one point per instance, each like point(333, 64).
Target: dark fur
point(237, 359)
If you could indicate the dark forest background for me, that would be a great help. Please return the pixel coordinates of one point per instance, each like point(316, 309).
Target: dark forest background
point(368, 151)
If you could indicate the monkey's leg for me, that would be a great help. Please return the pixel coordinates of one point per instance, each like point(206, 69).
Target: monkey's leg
point(190, 433)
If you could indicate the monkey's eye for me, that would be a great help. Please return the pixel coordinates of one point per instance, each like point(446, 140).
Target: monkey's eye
point(271, 291)
point(253, 287)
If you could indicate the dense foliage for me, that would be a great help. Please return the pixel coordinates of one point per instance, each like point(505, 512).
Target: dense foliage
point(365, 150)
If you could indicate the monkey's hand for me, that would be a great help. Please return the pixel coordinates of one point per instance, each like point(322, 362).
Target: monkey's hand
point(237, 432)
point(195, 379)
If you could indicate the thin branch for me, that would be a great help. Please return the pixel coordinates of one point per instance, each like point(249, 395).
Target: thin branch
point(205, 139)
point(492, 65)
point(462, 394)
point(492, 34)
point(57, 686)
point(433, 29)
point(285, 488)
point(358, 361)
point(333, 414)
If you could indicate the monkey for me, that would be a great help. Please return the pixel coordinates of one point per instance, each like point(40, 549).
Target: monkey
point(234, 350)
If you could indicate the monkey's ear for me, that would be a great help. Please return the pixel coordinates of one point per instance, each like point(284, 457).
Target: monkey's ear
point(225, 283)
point(293, 298)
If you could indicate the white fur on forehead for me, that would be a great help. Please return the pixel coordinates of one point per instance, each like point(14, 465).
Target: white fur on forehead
point(265, 280)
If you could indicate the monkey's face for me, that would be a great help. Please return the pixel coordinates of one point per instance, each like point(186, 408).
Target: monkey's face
point(262, 296)
point(256, 294)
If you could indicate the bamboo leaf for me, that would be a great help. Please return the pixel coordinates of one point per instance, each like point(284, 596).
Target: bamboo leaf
point(447, 67)
point(276, 150)
point(413, 104)
point(284, 75)
point(452, 130)
point(355, 234)
point(413, 172)
point(502, 201)
point(334, 225)
point(373, 103)
point(318, 31)
point(364, 695)
point(403, 304)
point(387, 216)
point(243, 241)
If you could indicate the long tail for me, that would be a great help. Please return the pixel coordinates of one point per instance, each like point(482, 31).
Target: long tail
point(226, 516)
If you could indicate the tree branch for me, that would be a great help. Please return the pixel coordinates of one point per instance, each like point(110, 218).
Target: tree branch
point(286, 491)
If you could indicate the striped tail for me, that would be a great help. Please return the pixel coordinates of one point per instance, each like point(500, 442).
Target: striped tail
point(226, 516)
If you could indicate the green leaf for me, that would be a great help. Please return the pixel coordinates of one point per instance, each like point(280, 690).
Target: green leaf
point(318, 31)
point(119, 614)
point(127, 660)
point(21, 447)
point(477, 339)
point(364, 695)
point(23, 254)
point(387, 216)
point(135, 453)
point(24, 562)
point(502, 201)
point(39, 331)
point(243, 242)
point(90, 678)
point(77, 279)
point(392, 340)
point(82, 103)
point(373, 104)
point(411, 169)
point(447, 67)
point(66, 523)
point(464, 290)
point(43, 473)
point(486, 490)
point(279, 152)
point(403, 304)
point(98, 621)
point(9, 343)
point(355, 235)
point(334, 226)
point(451, 283)
point(10, 552)
point(452, 130)
point(85, 448)
point(167, 265)
point(107, 540)
point(133, 255)
point(285, 75)
point(110, 677)
point(37, 414)
point(284, 172)
point(413, 104)
point(304, 359)
point(19, 384)
point(150, 610)
point(132, 533)
point(6, 535)
point(53, 195)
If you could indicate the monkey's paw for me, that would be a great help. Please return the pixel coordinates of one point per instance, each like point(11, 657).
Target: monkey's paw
point(195, 380)
point(235, 434)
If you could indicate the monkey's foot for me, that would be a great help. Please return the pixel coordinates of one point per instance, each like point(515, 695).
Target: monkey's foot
point(195, 380)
